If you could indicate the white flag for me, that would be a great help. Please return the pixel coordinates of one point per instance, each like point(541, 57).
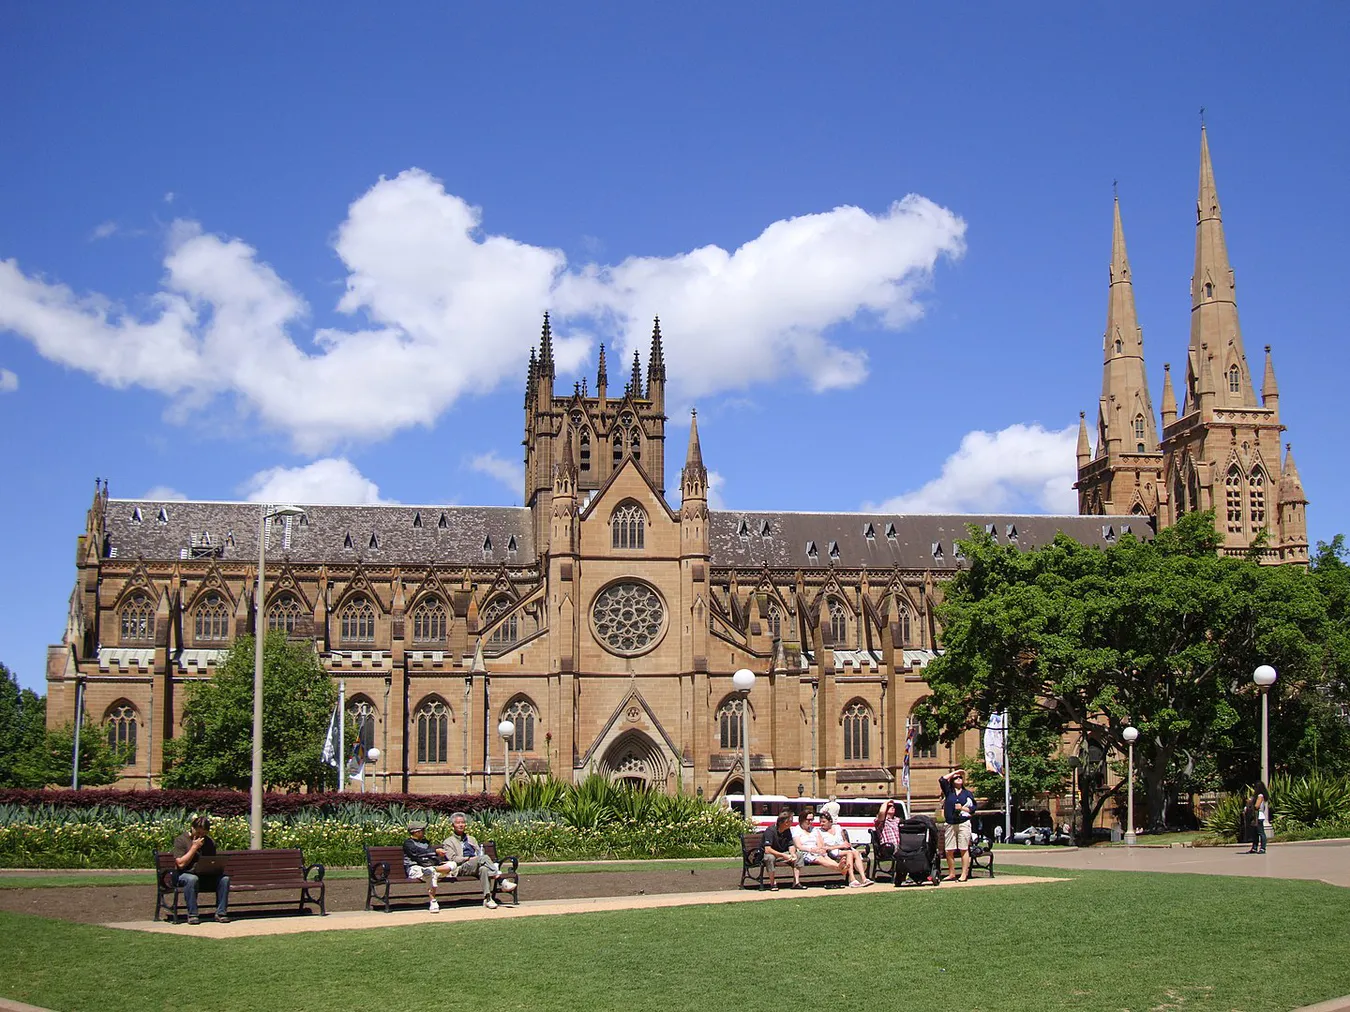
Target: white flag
point(356, 765)
point(331, 748)
point(993, 743)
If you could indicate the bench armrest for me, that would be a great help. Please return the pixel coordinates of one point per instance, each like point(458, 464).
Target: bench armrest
point(513, 860)
point(168, 880)
point(379, 871)
point(315, 868)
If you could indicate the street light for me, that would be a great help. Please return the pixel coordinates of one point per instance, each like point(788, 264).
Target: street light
point(372, 757)
point(259, 625)
point(1264, 677)
point(506, 729)
point(744, 680)
point(1130, 734)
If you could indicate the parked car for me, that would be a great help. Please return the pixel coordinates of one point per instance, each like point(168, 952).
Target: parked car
point(1041, 836)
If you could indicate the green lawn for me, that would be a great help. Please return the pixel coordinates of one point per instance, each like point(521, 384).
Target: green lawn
point(1100, 941)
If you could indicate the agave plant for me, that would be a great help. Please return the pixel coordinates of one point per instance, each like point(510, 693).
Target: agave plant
point(1311, 799)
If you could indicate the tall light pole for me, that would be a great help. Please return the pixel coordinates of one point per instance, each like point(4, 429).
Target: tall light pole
point(1264, 677)
point(506, 728)
point(259, 629)
point(744, 680)
point(1130, 734)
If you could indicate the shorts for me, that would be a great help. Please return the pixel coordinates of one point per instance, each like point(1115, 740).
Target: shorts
point(958, 836)
point(774, 859)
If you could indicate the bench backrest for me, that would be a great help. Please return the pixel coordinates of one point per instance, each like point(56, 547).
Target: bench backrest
point(249, 866)
point(165, 861)
point(752, 847)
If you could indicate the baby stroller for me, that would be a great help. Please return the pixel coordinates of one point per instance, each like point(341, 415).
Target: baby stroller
point(917, 856)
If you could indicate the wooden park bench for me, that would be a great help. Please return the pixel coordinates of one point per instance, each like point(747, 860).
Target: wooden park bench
point(384, 874)
point(753, 865)
point(250, 871)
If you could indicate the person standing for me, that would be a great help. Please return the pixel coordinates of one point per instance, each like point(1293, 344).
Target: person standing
point(1260, 812)
point(958, 805)
point(187, 848)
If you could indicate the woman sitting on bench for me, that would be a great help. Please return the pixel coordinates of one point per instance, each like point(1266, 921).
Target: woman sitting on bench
point(839, 848)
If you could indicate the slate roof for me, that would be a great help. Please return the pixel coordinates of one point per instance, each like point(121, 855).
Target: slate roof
point(781, 540)
point(403, 535)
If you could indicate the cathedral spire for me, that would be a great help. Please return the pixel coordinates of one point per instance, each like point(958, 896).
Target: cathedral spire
point(656, 362)
point(694, 477)
point(1084, 447)
point(1124, 382)
point(530, 376)
point(1169, 401)
point(1270, 392)
point(635, 384)
point(1291, 485)
point(546, 366)
point(601, 374)
point(1214, 315)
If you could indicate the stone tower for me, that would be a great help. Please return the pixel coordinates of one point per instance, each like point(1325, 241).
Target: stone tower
point(1125, 473)
point(600, 431)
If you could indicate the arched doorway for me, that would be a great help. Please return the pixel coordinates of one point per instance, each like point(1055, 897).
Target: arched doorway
point(635, 760)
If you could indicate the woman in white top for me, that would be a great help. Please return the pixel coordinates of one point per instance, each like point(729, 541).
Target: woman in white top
point(838, 847)
point(1260, 818)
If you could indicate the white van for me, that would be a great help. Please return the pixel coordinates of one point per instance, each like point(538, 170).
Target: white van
point(856, 815)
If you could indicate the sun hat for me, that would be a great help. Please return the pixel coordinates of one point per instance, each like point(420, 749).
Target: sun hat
point(417, 826)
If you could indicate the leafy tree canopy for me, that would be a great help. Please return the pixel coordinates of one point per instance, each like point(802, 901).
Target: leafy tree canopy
point(23, 729)
point(214, 748)
point(1163, 635)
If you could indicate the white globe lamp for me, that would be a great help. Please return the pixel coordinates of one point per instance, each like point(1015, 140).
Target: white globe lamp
point(1131, 735)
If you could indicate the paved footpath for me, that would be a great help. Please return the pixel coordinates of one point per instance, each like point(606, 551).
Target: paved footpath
point(356, 919)
point(1320, 860)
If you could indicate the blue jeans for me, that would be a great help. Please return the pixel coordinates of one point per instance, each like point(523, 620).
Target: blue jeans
point(189, 883)
point(1259, 841)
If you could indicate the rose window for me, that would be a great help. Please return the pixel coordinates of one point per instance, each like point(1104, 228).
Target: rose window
point(628, 617)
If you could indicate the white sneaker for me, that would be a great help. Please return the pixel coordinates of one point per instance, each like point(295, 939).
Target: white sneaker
point(507, 886)
point(434, 907)
point(855, 885)
point(490, 903)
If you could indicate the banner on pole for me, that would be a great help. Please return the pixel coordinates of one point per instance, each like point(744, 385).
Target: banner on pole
point(993, 742)
point(909, 753)
point(332, 748)
point(356, 764)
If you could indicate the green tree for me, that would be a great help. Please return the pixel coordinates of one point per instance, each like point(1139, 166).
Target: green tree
point(23, 727)
point(1034, 758)
point(214, 748)
point(1162, 635)
point(49, 764)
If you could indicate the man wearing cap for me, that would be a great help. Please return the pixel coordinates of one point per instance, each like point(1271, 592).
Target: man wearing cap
point(466, 854)
point(422, 861)
point(958, 804)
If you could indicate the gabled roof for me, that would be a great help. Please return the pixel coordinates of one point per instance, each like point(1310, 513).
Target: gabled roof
point(323, 536)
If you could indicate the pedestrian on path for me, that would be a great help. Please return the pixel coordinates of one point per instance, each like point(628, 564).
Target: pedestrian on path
point(1259, 808)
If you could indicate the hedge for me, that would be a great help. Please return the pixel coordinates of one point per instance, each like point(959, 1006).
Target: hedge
point(227, 802)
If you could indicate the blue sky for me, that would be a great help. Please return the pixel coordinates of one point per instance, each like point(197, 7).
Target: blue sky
point(303, 252)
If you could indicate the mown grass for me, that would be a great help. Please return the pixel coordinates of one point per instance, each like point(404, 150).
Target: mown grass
point(1098, 941)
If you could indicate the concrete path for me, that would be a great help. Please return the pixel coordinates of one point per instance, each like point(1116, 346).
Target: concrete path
point(1320, 860)
point(355, 920)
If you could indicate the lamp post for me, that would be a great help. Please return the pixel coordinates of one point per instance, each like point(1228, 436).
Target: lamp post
point(744, 681)
point(506, 728)
point(372, 757)
point(259, 625)
point(1130, 734)
point(1264, 677)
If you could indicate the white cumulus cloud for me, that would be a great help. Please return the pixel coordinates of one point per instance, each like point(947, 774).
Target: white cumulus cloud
point(440, 307)
point(9, 381)
point(1023, 468)
point(164, 493)
point(510, 473)
point(330, 480)
point(716, 481)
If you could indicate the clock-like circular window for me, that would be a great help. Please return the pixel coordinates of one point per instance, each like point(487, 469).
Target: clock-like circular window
point(628, 617)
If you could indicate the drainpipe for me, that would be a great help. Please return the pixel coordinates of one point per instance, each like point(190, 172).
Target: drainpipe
point(464, 726)
point(815, 758)
point(384, 781)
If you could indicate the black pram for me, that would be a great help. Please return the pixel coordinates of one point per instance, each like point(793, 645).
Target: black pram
point(917, 856)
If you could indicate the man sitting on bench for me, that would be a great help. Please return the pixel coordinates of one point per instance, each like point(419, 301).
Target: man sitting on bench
point(466, 854)
point(423, 861)
point(779, 849)
point(187, 848)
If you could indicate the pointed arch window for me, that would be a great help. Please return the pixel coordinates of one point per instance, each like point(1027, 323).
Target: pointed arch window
point(284, 615)
point(923, 748)
point(628, 526)
point(635, 445)
point(211, 620)
point(138, 620)
point(429, 621)
point(1256, 498)
point(729, 725)
point(618, 450)
point(509, 630)
point(1209, 290)
point(1233, 499)
point(521, 713)
point(1139, 431)
point(433, 732)
point(361, 715)
point(122, 726)
point(903, 620)
point(1192, 489)
point(356, 621)
point(584, 450)
point(1234, 380)
point(857, 732)
point(838, 621)
point(775, 620)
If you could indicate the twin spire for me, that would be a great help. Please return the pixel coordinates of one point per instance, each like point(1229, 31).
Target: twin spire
point(1217, 365)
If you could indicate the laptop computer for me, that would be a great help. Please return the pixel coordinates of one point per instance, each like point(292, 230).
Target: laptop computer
point(211, 865)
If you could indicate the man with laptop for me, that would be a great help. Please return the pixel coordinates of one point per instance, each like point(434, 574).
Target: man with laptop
point(194, 853)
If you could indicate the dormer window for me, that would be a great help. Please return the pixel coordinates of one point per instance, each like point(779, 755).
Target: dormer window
point(443, 522)
point(744, 530)
point(1011, 532)
point(417, 521)
point(765, 531)
point(991, 530)
point(937, 550)
point(870, 532)
point(374, 541)
point(1108, 533)
point(890, 532)
point(487, 544)
point(811, 551)
point(136, 515)
point(834, 549)
point(163, 515)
